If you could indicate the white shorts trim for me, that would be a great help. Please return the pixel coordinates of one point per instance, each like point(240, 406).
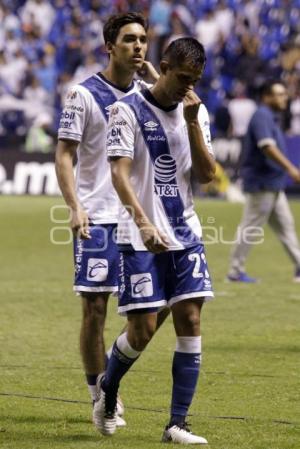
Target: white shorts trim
point(209, 294)
point(123, 309)
point(83, 288)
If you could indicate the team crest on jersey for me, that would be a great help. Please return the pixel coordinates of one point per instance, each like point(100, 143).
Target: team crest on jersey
point(114, 110)
point(151, 126)
point(72, 95)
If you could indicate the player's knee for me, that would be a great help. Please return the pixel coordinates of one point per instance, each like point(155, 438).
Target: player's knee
point(190, 323)
point(94, 308)
point(140, 336)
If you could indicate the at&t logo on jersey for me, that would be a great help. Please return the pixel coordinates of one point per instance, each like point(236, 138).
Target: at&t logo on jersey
point(97, 270)
point(141, 285)
point(151, 126)
point(165, 172)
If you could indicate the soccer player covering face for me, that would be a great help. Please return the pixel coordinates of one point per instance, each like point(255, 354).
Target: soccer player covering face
point(163, 137)
point(90, 195)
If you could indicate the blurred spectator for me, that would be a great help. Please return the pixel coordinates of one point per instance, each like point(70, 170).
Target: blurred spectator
point(45, 72)
point(159, 21)
point(250, 69)
point(246, 40)
point(224, 18)
point(207, 30)
point(39, 137)
point(38, 98)
point(241, 108)
point(12, 72)
point(89, 66)
point(38, 13)
point(73, 55)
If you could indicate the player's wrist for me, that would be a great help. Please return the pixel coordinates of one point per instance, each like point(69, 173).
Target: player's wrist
point(142, 223)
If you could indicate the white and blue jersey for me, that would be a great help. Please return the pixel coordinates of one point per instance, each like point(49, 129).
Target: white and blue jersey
point(157, 141)
point(84, 120)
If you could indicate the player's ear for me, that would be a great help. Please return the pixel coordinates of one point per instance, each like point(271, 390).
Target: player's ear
point(164, 66)
point(109, 47)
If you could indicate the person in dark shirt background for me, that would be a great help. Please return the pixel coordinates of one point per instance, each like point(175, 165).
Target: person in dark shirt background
point(263, 170)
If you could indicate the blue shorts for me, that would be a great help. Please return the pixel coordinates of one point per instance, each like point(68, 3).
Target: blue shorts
point(148, 280)
point(97, 260)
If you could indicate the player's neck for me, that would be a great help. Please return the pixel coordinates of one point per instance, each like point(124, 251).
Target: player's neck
point(160, 96)
point(118, 76)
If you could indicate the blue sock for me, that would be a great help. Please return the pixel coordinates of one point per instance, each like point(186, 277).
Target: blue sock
point(185, 370)
point(118, 365)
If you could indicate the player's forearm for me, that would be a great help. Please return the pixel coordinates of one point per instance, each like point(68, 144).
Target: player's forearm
point(128, 198)
point(272, 152)
point(65, 178)
point(203, 164)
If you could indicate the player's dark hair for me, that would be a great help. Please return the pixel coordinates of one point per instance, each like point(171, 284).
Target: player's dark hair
point(185, 49)
point(267, 87)
point(116, 22)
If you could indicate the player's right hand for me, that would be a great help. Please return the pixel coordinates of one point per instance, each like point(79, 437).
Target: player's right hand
point(153, 239)
point(80, 223)
point(148, 72)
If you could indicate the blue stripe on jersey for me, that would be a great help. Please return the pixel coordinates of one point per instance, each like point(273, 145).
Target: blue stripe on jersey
point(166, 186)
point(102, 94)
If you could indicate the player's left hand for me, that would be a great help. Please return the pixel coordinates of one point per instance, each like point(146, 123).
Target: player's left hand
point(148, 72)
point(191, 105)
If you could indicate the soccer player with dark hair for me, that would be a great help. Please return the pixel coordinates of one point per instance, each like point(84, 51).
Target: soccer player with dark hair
point(164, 136)
point(90, 195)
point(263, 170)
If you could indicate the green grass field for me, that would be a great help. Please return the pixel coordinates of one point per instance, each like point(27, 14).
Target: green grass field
point(249, 391)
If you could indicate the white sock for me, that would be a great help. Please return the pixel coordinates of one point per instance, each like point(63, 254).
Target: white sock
point(190, 345)
point(124, 346)
point(108, 352)
point(93, 392)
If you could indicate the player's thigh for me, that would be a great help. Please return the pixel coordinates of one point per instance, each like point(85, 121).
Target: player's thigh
point(141, 281)
point(188, 275)
point(96, 261)
point(257, 209)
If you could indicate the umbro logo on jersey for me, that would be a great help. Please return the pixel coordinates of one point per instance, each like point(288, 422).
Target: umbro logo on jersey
point(151, 126)
point(97, 270)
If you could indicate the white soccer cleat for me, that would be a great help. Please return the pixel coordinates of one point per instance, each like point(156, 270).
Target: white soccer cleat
point(105, 412)
point(181, 435)
point(120, 406)
point(121, 421)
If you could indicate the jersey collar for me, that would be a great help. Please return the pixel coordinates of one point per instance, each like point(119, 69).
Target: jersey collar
point(126, 90)
point(149, 97)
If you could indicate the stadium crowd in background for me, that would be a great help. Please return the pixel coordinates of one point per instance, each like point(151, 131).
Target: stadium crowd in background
point(47, 45)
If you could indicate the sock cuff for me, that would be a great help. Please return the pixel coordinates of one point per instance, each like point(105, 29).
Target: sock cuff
point(108, 353)
point(124, 346)
point(188, 345)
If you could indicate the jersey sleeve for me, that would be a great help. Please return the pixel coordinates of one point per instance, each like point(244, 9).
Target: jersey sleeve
point(121, 131)
point(204, 122)
point(262, 129)
point(74, 115)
